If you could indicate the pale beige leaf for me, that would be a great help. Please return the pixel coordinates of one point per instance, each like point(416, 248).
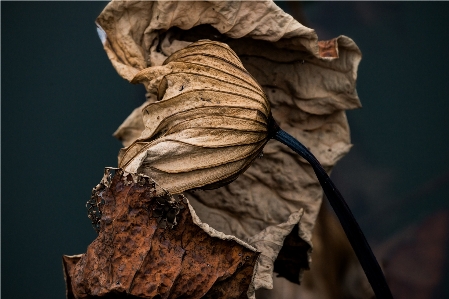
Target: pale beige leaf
point(202, 150)
point(269, 242)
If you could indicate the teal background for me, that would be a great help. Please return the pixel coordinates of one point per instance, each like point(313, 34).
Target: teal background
point(62, 100)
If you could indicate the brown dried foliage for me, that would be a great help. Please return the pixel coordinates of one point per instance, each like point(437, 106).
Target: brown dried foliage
point(136, 254)
point(209, 124)
point(308, 85)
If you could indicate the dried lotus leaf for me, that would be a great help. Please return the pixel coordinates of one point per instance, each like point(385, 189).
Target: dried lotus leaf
point(308, 94)
point(184, 148)
point(134, 255)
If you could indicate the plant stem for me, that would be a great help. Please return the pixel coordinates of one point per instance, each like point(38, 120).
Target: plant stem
point(352, 229)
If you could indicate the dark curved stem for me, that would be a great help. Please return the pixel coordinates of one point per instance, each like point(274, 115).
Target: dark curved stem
point(352, 229)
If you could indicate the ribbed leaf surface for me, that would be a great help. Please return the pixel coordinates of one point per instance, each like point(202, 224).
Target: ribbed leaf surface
point(209, 124)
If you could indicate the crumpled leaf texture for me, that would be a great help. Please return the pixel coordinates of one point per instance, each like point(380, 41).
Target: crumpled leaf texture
point(134, 255)
point(308, 83)
point(210, 123)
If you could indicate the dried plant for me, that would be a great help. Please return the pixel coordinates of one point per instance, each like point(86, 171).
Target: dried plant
point(150, 246)
point(210, 121)
point(210, 110)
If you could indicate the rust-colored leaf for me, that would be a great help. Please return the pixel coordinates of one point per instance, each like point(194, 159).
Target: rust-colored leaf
point(152, 245)
point(68, 264)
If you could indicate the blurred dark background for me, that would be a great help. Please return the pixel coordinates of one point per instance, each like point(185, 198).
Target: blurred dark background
point(62, 100)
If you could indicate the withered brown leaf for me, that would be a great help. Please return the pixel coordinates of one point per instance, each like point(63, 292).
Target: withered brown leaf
point(210, 123)
point(135, 255)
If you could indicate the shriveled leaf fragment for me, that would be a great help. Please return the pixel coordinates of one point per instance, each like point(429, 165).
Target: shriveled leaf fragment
point(68, 264)
point(308, 83)
point(150, 254)
point(335, 271)
point(210, 123)
point(269, 242)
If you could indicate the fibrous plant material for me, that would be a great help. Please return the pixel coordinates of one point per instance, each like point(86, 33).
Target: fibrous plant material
point(152, 245)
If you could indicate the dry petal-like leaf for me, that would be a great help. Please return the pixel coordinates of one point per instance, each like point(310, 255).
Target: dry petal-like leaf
point(210, 123)
point(308, 83)
point(168, 256)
